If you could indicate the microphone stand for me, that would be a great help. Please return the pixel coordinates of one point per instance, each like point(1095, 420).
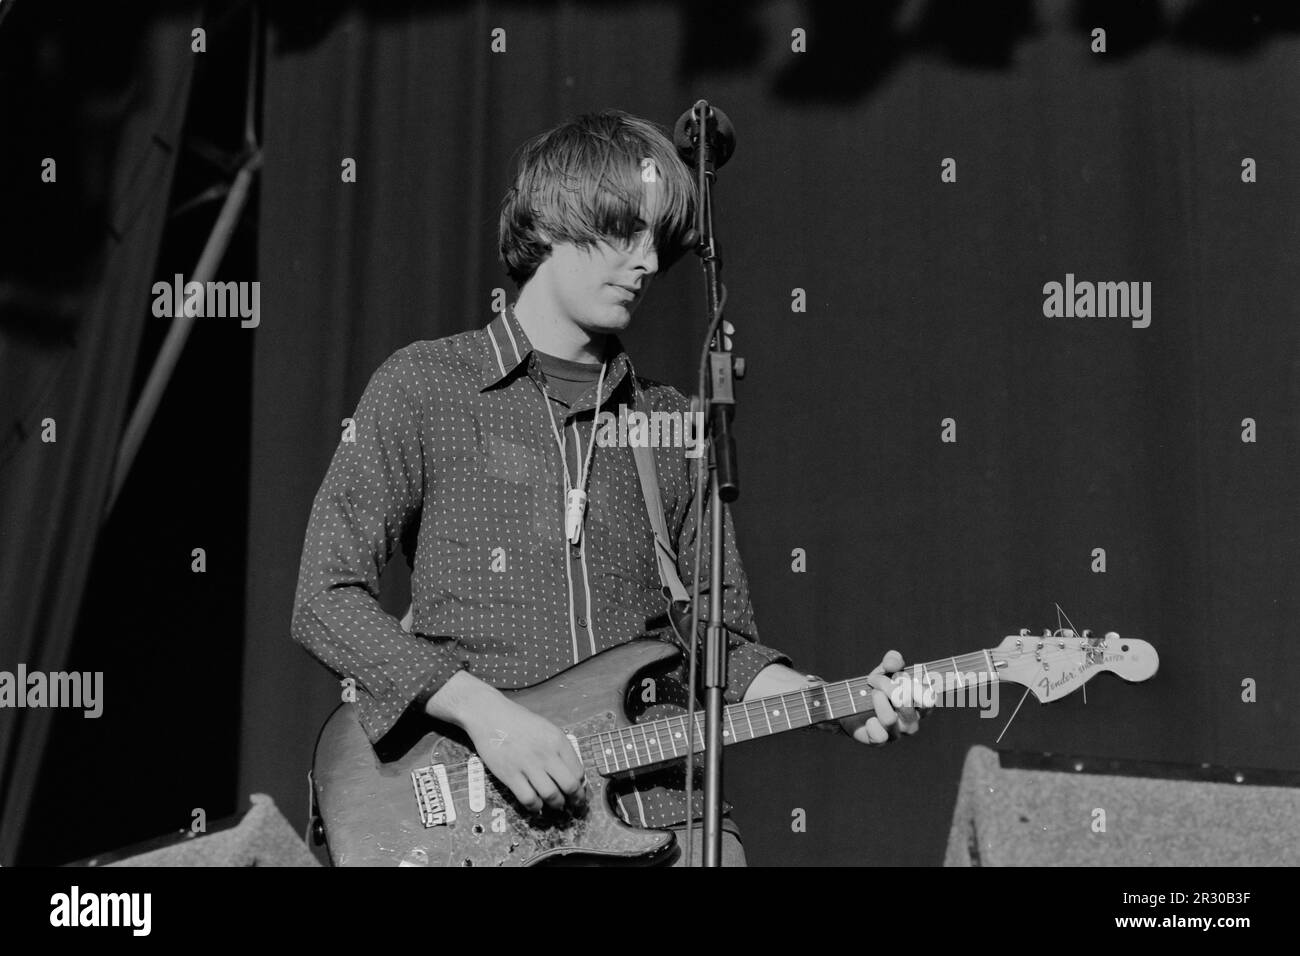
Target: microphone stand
point(705, 135)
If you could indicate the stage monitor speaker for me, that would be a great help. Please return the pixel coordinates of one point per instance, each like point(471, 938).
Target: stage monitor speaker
point(263, 837)
point(1056, 810)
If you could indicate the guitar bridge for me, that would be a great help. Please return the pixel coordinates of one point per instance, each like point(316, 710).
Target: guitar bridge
point(433, 796)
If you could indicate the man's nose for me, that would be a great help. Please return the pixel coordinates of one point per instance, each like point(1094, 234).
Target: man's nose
point(646, 255)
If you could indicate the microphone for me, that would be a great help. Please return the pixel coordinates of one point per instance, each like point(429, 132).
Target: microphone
point(719, 136)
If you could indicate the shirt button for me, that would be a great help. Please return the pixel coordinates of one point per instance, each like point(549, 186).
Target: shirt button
point(582, 622)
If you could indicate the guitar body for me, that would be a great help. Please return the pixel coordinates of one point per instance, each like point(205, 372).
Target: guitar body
point(372, 816)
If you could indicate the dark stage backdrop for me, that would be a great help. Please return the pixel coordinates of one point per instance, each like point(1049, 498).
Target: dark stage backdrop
point(102, 96)
point(924, 301)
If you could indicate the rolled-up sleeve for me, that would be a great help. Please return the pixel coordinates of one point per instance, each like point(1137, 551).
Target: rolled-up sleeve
point(372, 492)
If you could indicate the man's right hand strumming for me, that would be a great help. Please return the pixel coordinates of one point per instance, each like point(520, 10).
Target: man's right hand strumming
point(525, 752)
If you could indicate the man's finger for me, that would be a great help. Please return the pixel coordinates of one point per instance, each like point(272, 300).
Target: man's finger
point(885, 713)
point(570, 757)
point(892, 662)
point(546, 788)
point(909, 720)
point(871, 733)
point(525, 793)
point(880, 701)
point(570, 783)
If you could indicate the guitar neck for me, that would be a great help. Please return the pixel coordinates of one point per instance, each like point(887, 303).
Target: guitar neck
point(666, 739)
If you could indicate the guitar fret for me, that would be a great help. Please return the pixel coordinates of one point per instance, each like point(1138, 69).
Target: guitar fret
point(933, 682)
point(852, 703)
point(752, 735)
point(645, 742)
point(659, 737)
point(829, 709)
point(803, 696)
point(727, 711)
point(603, 746)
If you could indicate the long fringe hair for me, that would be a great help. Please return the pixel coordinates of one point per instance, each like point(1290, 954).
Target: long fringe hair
point(586, 181)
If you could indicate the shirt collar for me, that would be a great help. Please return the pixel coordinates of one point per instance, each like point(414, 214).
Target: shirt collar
point(508, 349)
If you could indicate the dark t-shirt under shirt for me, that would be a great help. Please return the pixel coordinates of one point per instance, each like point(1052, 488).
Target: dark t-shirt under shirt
point(567, 380)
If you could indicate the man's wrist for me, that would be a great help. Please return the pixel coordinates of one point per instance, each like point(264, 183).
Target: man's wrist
point(459, 699)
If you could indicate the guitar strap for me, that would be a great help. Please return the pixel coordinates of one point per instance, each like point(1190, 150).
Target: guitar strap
point(665, 556)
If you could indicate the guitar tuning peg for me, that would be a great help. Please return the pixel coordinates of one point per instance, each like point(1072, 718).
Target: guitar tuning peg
point(1087, 634)
point(1024, 632)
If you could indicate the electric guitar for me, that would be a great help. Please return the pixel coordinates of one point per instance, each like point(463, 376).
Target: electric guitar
point(437, 805)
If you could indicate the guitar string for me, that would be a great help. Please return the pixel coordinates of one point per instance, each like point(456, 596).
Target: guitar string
point(594, 747)
point(836, 692)
point(650, 732)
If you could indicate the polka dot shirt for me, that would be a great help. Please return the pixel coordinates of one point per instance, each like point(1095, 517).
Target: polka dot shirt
point(454, 458)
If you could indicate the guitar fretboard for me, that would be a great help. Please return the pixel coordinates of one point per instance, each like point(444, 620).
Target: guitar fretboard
point(667, 739)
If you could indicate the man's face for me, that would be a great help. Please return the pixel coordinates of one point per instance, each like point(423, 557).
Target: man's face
point(599, 288)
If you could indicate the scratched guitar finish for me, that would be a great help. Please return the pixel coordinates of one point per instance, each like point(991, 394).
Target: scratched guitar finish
point(436, 804)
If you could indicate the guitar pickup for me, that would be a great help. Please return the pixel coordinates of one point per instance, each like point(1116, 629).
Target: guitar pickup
point(476, 780)
point(433, 796)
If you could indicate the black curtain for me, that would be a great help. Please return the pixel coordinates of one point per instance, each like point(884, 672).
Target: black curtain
point(922, 300)
point(104, 97)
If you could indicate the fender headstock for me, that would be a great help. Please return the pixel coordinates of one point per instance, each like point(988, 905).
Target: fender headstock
point(1057, 663)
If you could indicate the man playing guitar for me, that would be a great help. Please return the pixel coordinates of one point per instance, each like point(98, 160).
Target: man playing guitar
point(529, 539)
